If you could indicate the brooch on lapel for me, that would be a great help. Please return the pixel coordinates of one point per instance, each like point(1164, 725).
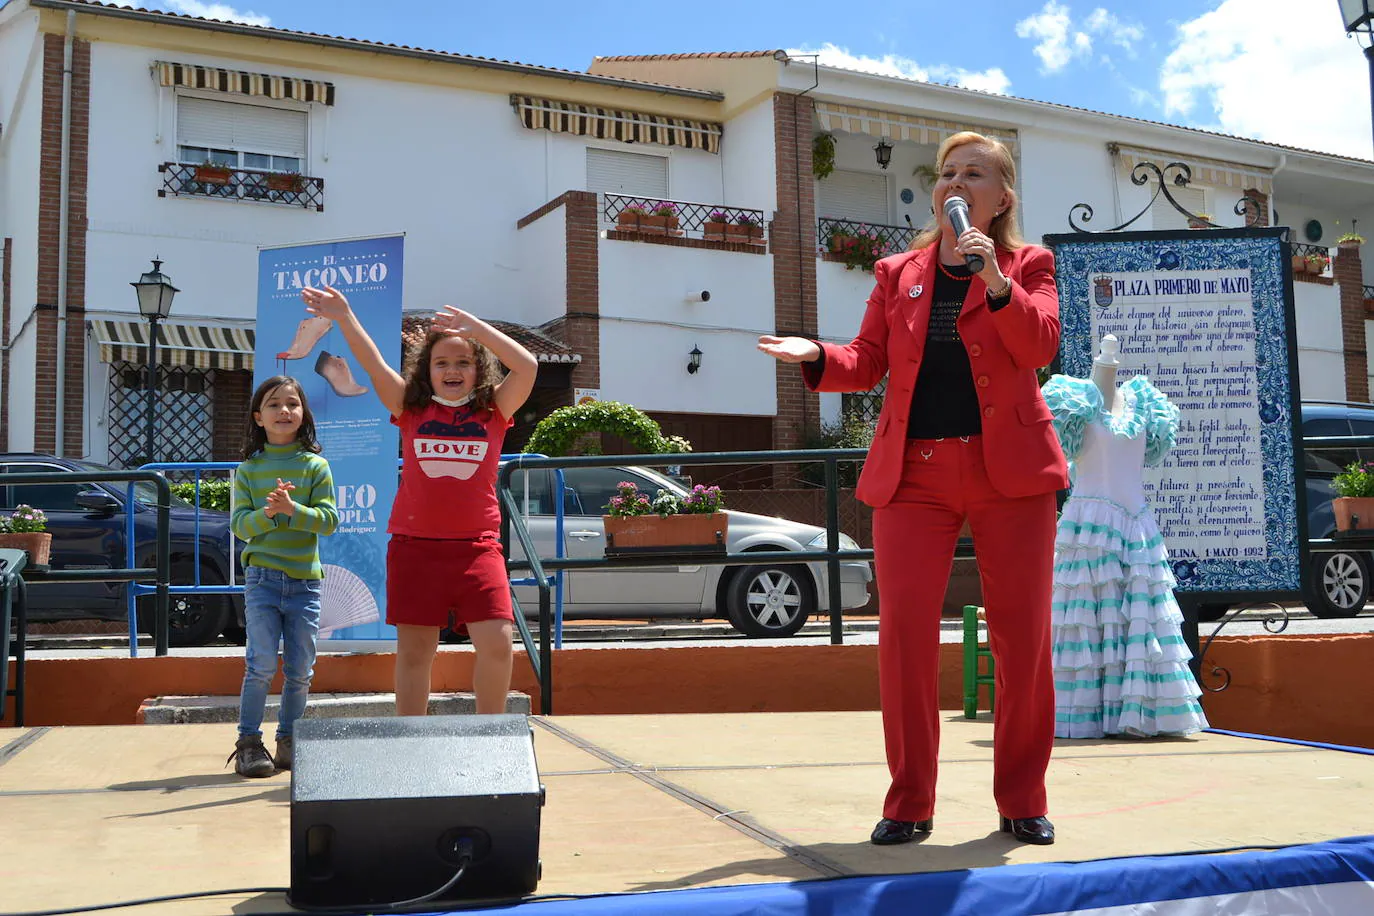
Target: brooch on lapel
point(915, 291)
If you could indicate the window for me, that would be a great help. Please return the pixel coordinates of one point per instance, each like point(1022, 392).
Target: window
point(1164, 216)
point(628, 174)
point(48, 497)
point(240, 136)
point(857, 196)
point(1327, 460)
point(537, 482)
point(589, 490)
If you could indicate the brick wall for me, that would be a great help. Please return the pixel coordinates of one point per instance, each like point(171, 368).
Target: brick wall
point(73, 361)
point(1349, 274)
point(232, 393)
point(1257, 216)
point(793, 240)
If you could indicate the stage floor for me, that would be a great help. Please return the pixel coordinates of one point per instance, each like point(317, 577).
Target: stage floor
point(93, 815)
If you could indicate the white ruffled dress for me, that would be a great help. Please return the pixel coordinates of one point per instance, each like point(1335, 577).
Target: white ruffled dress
point(1120, 662)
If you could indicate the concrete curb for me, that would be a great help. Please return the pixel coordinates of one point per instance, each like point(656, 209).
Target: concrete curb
point(174, 710)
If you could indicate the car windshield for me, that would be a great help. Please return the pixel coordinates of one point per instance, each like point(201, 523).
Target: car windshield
point(144, 491)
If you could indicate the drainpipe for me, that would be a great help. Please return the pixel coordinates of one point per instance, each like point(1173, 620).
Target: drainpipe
point(63, 220)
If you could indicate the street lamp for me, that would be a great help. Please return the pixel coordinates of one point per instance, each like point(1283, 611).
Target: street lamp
point(1359, 20)
point(155, 293)
point(883, 151)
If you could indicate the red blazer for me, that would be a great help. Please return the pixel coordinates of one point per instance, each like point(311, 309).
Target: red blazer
point(1005, 348)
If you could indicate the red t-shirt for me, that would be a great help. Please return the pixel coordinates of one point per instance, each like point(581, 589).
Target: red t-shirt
point(448, 472)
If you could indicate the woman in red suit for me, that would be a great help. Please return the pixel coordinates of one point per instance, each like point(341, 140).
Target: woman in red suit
point(963, 435)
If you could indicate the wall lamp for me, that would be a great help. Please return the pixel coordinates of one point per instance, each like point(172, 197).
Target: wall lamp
point(694, 360)
point(883, 151)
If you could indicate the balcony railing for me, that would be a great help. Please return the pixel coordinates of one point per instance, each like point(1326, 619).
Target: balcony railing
point(712, 222)
point(893, 238)
point(1303, 260)
point(208, 180)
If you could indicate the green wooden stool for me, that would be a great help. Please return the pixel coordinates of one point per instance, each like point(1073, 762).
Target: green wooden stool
point(973, 651)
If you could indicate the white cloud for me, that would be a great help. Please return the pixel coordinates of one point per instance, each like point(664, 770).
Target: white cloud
point(222, 11)
point(1305, 84)
point(1057, 41)
point(1123, 34)
point(991, 80)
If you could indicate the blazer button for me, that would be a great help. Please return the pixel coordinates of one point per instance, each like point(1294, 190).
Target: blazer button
point(975, 350)
point(982, 381)
point(987, 412)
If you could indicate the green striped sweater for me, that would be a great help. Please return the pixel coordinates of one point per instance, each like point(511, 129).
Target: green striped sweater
point(289, 543)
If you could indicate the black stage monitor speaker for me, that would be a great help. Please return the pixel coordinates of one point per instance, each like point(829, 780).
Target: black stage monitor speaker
point(386, 810)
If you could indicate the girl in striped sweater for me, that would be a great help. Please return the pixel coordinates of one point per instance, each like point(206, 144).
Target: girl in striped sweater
point(283, 504)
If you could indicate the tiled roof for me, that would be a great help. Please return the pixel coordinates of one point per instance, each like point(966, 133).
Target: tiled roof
point(126, 11)
point(693, 56)
point(414, 329)
point(1106, 114)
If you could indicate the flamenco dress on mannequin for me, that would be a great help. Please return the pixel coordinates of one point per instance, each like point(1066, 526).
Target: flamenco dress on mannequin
point(1120, 662)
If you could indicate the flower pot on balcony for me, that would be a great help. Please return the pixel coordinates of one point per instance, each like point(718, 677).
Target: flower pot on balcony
point(646, 223)
point(716, 230)
point(1299, 264)
point(744, 234)
point(1353, 513)
point(285, 182)
point(641, 534)
point(36, 543)
point(214, 174)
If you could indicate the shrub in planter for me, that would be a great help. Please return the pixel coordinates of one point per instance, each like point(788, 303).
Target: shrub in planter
point(667, 523)
point(1353, 506)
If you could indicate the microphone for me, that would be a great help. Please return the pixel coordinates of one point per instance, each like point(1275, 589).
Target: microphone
point(956, 210)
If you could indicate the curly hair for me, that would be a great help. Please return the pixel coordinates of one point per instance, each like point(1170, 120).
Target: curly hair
point(256, 439)
point(1003, 231)
point(419, 390)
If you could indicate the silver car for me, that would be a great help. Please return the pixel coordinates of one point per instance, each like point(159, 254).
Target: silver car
point(770, 599)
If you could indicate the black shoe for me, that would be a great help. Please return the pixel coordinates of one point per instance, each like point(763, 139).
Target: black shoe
point(1035, 830)
point(890, 832)
point(250, 758)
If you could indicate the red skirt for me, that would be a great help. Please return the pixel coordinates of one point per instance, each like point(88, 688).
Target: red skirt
point(433, 582)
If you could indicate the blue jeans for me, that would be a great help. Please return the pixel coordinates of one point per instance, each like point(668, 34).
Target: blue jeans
point(277, 609)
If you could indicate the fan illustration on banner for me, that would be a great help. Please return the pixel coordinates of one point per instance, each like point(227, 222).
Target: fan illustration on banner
point(345, 601)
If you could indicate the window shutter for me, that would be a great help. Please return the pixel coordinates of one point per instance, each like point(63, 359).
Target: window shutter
point(858, 196)
point(245, 128)
point(631, 174)
point(1164, 216)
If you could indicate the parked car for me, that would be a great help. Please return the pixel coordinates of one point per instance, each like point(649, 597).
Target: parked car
point(765, 600)
point(1339, 580)
point(87, 522)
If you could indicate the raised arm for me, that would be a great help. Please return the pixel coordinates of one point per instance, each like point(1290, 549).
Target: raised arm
point(521, 366)
point(386, 381)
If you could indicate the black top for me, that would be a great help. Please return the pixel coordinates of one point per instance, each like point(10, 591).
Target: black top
point(945, 403)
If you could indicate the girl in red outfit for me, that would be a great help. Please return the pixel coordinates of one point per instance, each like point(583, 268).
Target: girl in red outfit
point(444, 565)
point(964, 434)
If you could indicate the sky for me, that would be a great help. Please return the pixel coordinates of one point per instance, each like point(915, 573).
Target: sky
point(1277, 70)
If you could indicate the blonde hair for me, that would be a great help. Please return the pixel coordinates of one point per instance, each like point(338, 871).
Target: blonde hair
point(1004, 231)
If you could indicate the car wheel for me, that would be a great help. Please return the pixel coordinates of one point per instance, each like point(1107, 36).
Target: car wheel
point(770, 601)
point(192, 620)
point(1211, 613)
point(1340, 584)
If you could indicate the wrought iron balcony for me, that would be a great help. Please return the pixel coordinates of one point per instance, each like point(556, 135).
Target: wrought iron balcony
point(893, 238)
point(707, 221)
point(1312, 260)
point(225, 183)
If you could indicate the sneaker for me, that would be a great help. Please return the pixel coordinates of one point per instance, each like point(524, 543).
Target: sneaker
point(284, 752)
point(250, 758)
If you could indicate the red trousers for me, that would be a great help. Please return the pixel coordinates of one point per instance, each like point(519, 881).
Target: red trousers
point(943, 482)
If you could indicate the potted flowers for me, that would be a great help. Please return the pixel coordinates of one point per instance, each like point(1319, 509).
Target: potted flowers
point(717, 226)
point(861, 248)
point(26, 529)
point(746, 229)
point(1317, 263)
point(1353, 506)
point(649, 218)
point(667, 523)
point(214, 173)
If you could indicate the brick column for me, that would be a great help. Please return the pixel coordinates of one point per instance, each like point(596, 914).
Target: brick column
point(1257, 216)
point(73, 361)
point(1350, 278)
point(582, 330)
point(792, 237)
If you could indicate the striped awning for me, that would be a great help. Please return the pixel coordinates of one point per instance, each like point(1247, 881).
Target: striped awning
point(195, 345)
point(897, 125)
point(241, 82)
point(1214, 173)
point(616, 123)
